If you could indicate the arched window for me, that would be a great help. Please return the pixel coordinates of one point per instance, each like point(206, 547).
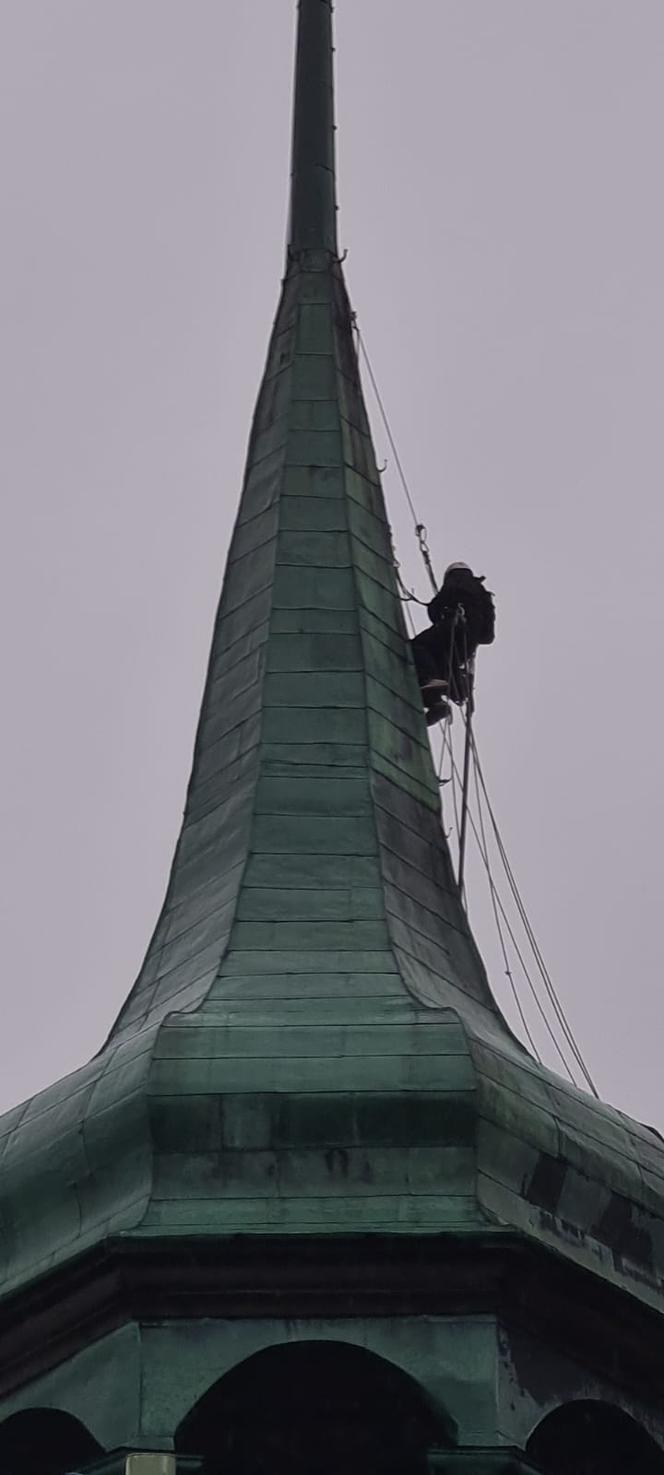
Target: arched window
point(588, 1438)
point(44, 1441)
point(314, 1408)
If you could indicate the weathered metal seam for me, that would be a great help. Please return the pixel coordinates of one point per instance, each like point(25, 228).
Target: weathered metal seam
point(173, 937)
point(224, 675)
point(405, 825)
point(241, 640)
point(560, 1122)
point(421, 745)
point(232, 609)
point(458, 932)
point(390, 687)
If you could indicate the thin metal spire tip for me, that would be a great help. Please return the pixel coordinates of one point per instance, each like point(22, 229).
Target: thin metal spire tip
point(313, 224)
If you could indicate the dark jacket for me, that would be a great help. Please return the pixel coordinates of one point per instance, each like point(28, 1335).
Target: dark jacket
point(461, 587)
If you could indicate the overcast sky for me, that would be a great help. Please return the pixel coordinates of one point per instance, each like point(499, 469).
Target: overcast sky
point(501, 202)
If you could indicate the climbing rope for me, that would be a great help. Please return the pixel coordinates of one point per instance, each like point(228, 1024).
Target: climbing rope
point(524, 967)
point(484, 852)
point(469, 680)
point(448, 739)
point(536, 950)
point(408, 596)
point(420, 529)
point(462, 811)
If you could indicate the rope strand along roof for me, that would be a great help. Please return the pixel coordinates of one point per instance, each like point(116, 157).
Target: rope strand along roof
point(311, 1047)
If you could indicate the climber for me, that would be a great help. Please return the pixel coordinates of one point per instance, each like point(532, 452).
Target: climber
point(462, 617)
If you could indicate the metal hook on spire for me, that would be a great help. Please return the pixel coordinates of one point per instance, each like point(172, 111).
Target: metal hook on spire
point(421, 534)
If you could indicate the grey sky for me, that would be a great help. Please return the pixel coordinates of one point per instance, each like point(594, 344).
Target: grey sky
point(502, 207)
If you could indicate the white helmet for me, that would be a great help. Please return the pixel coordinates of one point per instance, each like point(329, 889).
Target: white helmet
point(452, 568)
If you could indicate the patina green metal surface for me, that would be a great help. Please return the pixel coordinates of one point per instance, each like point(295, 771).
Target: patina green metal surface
point(312, 1046)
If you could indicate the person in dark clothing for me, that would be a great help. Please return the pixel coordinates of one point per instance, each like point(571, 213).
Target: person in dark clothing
point(462, 617)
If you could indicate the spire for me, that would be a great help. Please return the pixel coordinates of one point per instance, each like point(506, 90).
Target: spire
point(312, 844)
point(312, 1046)
point(313, 224)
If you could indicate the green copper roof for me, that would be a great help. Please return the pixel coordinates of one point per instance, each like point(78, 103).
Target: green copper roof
point(311, 839)
point(311, 1045)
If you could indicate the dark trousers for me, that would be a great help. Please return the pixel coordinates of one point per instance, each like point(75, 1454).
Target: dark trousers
point(441, 653)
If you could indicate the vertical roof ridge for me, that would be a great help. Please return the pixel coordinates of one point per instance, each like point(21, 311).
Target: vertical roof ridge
point(313, 225)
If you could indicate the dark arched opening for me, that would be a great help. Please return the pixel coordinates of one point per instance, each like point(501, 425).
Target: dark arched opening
point(44, 1441)
point(314, 1408)
point(589, 1438)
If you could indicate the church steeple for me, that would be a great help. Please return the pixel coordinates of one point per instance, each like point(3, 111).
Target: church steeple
point(312, 793)
point(313, 225)
point(310, 1122)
